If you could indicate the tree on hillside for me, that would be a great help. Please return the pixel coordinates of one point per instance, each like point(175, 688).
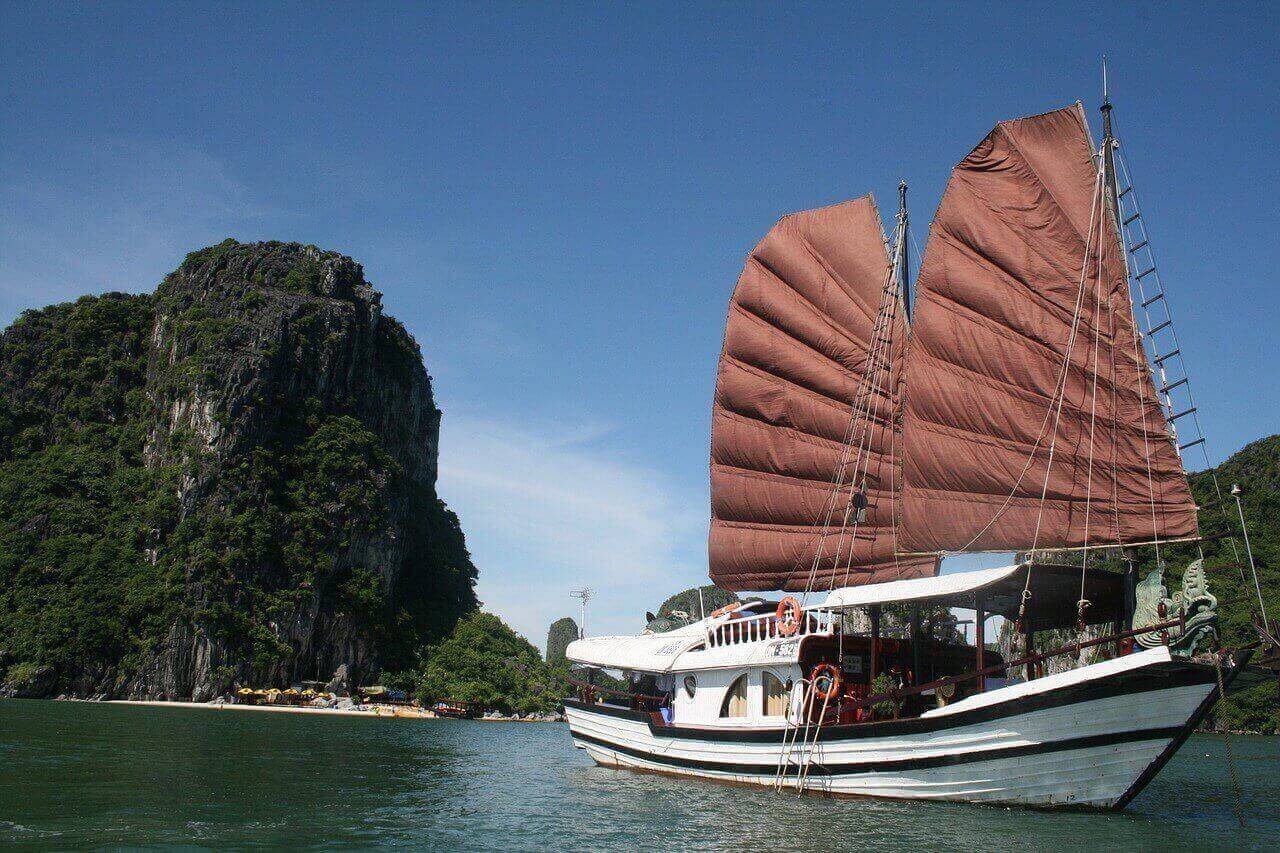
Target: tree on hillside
point(1256, 467)
point(486, 662)
point(713, 597)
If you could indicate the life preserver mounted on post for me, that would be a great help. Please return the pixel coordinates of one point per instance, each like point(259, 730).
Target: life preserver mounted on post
point(825, 680)
point(789, 616)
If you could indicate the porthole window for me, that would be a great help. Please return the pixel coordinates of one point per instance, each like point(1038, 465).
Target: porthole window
point(690, 685)
point(735, 699)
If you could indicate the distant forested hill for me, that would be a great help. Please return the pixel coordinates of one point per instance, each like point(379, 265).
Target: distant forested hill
point(229, 480)
point(1256, 468)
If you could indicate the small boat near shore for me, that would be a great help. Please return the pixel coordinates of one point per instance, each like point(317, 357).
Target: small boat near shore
point(1028, 399)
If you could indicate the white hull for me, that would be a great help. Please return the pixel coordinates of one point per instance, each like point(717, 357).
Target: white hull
point(1090, 737)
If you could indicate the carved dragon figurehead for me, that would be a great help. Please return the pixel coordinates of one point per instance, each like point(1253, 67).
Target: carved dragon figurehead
point(1201, 609)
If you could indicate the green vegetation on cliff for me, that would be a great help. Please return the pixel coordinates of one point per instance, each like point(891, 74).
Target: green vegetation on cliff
point(561, 633)
point(78, 509)
point(484, 661)
point(230, 480)
point(693, 606)
point(1256, 468)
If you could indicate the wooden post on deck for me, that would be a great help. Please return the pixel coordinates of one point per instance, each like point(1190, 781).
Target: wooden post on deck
point(1130, 587)
point(980, 636)
point(875, 639)
point(916, 640)
point(1031, 650)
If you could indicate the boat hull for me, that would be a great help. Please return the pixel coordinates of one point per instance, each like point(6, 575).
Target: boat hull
point(1092, 737)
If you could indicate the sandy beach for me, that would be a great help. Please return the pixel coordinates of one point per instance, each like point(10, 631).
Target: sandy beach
point(381, 711)
point(286, 709)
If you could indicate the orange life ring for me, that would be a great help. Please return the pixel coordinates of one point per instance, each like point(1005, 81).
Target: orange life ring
point(828, 672)
point(789, 616)
point(728, 608)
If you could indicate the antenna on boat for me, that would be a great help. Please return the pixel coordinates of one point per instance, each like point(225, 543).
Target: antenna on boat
point(585, 594)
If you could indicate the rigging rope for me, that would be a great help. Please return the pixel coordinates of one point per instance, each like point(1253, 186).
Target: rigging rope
point(1226, 740)
point(1093, 420)
point(859, 433)
point(1061, 393)
point(888, 311)
point(838, 480)
point(1044, 425)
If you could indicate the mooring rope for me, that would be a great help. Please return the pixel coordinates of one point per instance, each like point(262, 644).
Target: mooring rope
point(1226, 740)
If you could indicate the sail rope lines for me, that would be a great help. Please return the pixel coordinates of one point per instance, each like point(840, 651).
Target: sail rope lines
point(862, 400)
point(1177, 349)
point(860, 413)
point(1226, 739)
point(1060, 393)
point(837, 481)
point(1083, 602)
point(1044, 425)
point(1139, 354)
point(890, 303)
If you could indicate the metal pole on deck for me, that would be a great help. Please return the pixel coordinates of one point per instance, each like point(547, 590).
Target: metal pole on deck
point(875, 639)
point(980, 636)
point(916, 640)
point(1130, 585)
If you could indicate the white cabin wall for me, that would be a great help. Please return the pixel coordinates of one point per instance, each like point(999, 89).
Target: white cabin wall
point(704, 708)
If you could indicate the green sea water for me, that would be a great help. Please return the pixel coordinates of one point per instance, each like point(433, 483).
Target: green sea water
point(76, 774)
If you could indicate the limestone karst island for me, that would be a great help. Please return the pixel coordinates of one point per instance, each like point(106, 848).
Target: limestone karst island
point(666, 427)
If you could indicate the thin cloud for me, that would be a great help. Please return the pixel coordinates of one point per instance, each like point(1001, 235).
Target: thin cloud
point(547, 509)
point(112, 215)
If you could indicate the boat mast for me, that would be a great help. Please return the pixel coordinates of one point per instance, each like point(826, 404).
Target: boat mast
point(1129, 554)
point(1108, 151)
point(903, 259)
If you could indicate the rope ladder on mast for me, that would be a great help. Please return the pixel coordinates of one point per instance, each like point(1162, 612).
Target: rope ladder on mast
point(1160, 341)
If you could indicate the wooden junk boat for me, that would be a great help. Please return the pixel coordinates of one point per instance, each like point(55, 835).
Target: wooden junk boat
point(1019, 406)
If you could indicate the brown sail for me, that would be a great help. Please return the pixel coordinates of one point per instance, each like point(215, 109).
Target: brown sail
point(797, 347)
point(1023, 250)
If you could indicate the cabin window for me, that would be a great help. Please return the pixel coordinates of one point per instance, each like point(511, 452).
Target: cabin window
point(690, 685)
point(735, 699)
point(775, 695)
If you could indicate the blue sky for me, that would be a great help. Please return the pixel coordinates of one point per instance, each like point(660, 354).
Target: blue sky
point(556, 200)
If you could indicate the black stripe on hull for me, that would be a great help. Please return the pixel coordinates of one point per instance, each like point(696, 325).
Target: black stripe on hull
point(1201, 711)
point(898, 765)
point(1148, 679)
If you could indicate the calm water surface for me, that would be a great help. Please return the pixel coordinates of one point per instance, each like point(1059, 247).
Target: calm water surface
point(78, 774)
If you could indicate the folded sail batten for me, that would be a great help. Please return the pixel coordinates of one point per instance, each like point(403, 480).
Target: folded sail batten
point(1031, 418)
point(787, 449)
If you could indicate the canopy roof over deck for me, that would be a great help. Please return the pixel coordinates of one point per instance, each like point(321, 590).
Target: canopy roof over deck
point(645, 653)
point(1055, 589)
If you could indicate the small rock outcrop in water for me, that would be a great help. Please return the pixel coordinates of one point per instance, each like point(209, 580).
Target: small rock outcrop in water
point(231, 481)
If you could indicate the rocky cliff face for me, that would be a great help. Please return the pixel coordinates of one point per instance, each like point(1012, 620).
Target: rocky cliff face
point(283, 437)
point(561, 633)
